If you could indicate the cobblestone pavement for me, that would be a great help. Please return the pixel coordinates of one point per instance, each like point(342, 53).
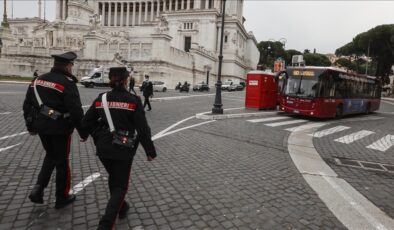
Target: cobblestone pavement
point(227, 174)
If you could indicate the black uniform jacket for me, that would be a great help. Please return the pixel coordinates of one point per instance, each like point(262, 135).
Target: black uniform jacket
point(147, 88)
point(57, 90)
point(128, 115)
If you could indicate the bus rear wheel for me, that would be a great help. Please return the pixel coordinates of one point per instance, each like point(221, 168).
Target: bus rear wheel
point(339, 112)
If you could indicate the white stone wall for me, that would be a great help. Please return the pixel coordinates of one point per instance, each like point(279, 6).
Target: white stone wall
point(155, 48)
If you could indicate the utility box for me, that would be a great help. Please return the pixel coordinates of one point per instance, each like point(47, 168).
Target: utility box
point(261, 90)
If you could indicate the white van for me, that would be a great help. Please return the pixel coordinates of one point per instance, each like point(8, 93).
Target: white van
point(97, 77)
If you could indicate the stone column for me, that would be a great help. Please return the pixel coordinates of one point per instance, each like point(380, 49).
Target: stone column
point(176, 5)
point(188, 5)
point(146, 12)
point(158, 8)
point(109, 13)
point(206, 4)
point(152, 10)
point(116, 14)
point(121, 14)
point(128, 14)
point(170, 7)
point(64, 10)
point(103, 13)
point(58, 10)
point(197, 4)
point(164, 5)
point(140, 14)
point(133, 15)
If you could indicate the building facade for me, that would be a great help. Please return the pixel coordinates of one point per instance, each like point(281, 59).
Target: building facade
point(170, 40)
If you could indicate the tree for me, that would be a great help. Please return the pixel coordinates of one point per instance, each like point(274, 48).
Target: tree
point(269, 52)
point(312, 59)
point(289, 55)
point(379, 43)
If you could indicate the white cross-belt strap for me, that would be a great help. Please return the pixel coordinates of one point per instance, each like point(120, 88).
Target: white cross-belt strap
point(107, 112)
point(36, 93)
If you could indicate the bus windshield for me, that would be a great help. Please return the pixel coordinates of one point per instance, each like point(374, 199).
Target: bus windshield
point(302, 84)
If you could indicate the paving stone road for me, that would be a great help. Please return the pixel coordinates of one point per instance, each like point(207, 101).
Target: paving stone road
point(227, 174)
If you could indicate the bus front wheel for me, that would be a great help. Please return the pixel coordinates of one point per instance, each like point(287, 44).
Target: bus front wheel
point(339, 111)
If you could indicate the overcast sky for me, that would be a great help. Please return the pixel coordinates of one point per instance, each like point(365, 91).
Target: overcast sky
point(324, 25)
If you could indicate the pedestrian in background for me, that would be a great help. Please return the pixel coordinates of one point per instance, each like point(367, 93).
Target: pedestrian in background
point(35, 74)
point(147, 90)
point(52, 108)
point(113, 120)
point(132, 84)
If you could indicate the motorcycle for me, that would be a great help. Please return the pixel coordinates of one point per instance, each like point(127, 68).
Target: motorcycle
point(184, 88)
point(178, 86)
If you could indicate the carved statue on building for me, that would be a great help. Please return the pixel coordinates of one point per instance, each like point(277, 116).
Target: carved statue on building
point(163, 25)
point(94, 21)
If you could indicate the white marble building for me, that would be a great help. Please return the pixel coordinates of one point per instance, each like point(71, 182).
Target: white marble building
point(171, 40)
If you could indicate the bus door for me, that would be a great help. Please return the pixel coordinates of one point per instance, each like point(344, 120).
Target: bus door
point(327, 94)
point(280, 80)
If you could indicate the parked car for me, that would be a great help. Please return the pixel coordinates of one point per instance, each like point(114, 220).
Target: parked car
point(235, 87)
point(159, 86)
point(201, 87)
point(240, 87)
point(227, 84)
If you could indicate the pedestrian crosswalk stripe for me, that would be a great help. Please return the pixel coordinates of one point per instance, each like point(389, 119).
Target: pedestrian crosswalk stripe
point(383, 144)
point(286, 123)
point(267, 119)
point(354, 136)
point(329, 131)
point(306, 127)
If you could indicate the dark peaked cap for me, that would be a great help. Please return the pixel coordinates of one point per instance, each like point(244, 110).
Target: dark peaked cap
point(66, 57)
point(118, 72)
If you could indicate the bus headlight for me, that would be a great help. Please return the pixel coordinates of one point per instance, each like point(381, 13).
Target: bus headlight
point(312, 113)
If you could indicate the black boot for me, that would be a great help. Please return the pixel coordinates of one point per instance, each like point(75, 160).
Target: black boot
point(63, 202)
point(37, 194)
point(124, 210)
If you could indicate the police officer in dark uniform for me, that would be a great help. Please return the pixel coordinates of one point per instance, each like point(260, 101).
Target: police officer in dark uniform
point(116, 145)
point(147, 91)
point(52, 108)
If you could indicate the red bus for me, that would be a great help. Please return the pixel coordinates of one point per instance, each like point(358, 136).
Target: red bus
point(327, 92)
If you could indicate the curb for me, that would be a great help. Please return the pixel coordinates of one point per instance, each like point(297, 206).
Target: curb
point(388, 99)
point(208, 116)
point(351, 208)
point(15, 82)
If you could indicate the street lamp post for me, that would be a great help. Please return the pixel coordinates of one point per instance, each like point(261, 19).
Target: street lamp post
point(5, 21)
point(217, 106)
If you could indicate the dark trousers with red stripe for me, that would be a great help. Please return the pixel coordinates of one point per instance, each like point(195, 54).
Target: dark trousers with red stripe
point(57, 149)
point(118, 183)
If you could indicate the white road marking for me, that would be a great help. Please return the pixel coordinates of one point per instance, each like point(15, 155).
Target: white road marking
point(383, 144)
point(181, 129)
point(13, 135)
point(267, 119)
point(346, 203)
point(306, 127)
point(5, 113)
point(355, 204)
point(329, 131)
point(80, 186)
point(161, 133)
point(354, 136)
point(391, 103)
point(85, 106)
point(276, 124)
point(8, 147)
